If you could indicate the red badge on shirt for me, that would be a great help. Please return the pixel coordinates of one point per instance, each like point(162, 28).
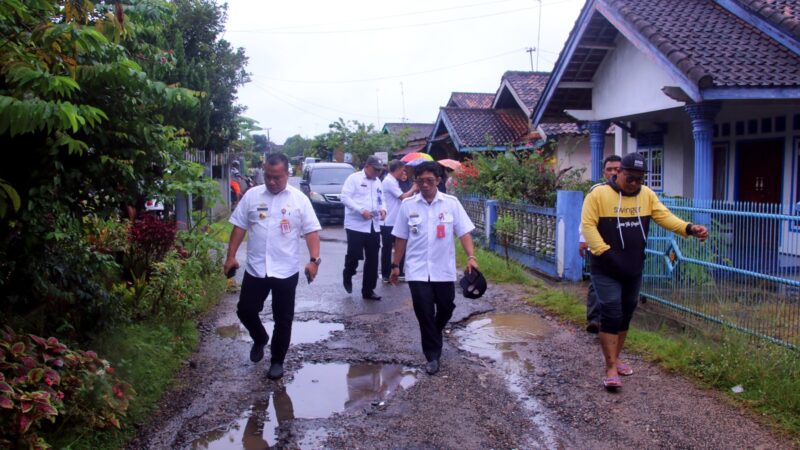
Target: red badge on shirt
point(440, 231)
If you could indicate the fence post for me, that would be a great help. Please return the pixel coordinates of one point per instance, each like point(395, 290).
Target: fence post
point(491, 218)
point(568, 218)
point(182, 211)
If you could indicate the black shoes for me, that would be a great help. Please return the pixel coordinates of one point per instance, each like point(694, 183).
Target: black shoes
point(371, 296)
point(432, 367)
point(257, 352)
point(348, 283)
point(593, 327)
point(275, 371)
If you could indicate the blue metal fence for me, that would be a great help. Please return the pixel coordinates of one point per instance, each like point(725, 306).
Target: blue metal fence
point(476, 210)
point(746, 276)
point(546, 239)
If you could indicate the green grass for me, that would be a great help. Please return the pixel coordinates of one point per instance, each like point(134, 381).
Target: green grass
point(148, 355)
point(770, 375)
point(495, 269)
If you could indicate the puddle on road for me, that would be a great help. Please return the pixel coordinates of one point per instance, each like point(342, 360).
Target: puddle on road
point(495, 336)
point(254, 430)
point(303, 332)
point(316, 391)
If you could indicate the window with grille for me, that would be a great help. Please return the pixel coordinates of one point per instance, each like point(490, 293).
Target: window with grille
point(651, 146)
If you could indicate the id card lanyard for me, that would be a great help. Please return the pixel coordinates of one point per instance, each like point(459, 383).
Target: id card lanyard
point(286, 227)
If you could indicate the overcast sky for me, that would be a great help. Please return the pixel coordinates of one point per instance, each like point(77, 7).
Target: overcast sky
point(378, 61)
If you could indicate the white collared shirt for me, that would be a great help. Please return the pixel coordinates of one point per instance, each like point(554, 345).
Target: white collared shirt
point(428, 256)
point(274, 225)
point(391, 194)
point(359, 193)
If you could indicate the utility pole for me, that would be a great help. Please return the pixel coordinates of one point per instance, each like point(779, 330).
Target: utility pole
point(403, 97)
point(539, 35)
point(530, 51)
point(269, 143)
point(378, 105)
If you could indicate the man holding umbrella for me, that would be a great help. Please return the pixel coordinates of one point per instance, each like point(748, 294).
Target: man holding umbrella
point(450, 166)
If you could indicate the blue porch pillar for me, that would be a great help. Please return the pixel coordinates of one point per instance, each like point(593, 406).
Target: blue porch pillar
point(702, 115)
point(597, 140)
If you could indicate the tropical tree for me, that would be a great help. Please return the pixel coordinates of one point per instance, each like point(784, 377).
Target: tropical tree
point(296, 145)
point(87, 114)
point(357, 138)
point(205, 62)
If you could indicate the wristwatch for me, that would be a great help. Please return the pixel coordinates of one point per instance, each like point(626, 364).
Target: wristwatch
point(395, 266)
point(316, 261)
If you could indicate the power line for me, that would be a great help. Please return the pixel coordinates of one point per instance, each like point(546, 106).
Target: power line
point(340, 111)
point(370, 19)
point(422, 72)
point(277, 97)
point(385, 28)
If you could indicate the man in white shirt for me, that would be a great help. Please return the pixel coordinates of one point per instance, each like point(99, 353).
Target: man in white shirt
point(276, 216)
point(424, 230)
point(393, 196)
point(362, 197)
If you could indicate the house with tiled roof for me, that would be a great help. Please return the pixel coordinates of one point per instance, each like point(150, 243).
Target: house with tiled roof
point(470, 100)
point(465, 130)
point(707, 90)
point(470, 122)
point(523, 90)
point(415, 134)
point(500, 120)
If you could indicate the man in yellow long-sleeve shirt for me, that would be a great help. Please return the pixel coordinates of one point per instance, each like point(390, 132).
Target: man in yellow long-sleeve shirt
point(615, 221)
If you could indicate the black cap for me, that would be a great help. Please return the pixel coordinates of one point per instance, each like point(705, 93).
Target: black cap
point(634, 161)
point(473, 284)
point(374, 162)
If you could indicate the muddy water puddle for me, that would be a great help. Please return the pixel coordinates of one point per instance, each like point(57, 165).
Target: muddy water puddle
point(303, 332)
point(500, 337)
point(496, 336)
point(316, 391)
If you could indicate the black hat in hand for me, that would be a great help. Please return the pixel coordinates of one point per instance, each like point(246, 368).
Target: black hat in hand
point(473, 284)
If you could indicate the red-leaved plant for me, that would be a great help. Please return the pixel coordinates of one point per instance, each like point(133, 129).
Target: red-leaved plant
point(150, 238)
point(42, 382)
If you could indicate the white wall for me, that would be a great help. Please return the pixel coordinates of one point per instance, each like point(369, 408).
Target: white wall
point(628, 83)
point(574, 151)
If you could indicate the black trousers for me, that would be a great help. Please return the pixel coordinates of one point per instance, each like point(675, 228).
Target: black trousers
point(363, 245)
point(387, 243)
point(251, 302)
point(434, 302)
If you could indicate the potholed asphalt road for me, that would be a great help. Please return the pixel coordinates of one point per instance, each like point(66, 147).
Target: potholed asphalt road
point(512, 377)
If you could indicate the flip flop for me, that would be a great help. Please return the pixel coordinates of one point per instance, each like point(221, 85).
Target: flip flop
point(624, 369)
point(612, 384)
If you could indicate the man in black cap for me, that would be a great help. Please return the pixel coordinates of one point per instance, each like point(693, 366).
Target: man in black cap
point(364, 209)
point(615, 221)
point(610, 168)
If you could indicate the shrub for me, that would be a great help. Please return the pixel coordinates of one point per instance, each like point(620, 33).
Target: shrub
point(150, 238)
point(57, 285)
point(529, 176)
point(173, 290)
point(505, 228)
point(45, 385)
